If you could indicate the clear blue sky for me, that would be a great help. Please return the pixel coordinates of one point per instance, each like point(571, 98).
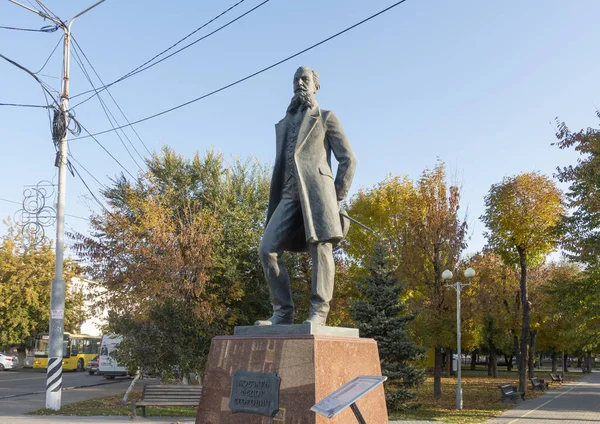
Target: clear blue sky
point(474, 83)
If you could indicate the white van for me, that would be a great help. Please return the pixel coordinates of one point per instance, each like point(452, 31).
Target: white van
point(107, 365)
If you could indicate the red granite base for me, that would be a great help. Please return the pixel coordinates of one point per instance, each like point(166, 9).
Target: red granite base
point(310, 367)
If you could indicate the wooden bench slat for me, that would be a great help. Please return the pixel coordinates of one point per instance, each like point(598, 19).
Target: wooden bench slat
point(170, 398)
point(174, 393)
point(143, 403)
point(168, 395)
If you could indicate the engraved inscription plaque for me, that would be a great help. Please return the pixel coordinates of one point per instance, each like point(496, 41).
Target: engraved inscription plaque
point(255, 393)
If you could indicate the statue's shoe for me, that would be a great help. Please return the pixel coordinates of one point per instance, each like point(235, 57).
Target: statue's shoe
point(276, 320)
point(315, 320)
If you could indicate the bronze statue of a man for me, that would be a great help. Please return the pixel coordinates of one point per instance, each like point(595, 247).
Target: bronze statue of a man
point(304, 204)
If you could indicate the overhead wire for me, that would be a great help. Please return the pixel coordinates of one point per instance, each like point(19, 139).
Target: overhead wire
point(42, 84)
point(20, 204)
point(77, 124)
point(114, 101)
point(47, 76)
point(143, 67)
point(47, 28)
point(90, 191)
point(23, 105)
point(105, 149)
point(187, 36)
point(48, 11)
point(85, 169)
point(255, 73)
point(50, 55)
point(45, 88)
point(105, 108)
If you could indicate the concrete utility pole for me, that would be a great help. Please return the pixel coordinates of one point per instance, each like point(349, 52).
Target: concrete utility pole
point(56, 350)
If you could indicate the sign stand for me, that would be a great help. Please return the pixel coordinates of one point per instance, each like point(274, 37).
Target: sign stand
point(347, 395)
point(357, 414)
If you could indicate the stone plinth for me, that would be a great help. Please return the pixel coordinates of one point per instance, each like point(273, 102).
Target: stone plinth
point(294, 330)
point(310, 366)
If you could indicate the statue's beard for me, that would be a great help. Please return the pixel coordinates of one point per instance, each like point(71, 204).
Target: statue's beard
point(301, 100)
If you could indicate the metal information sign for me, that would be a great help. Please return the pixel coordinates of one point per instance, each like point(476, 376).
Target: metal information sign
point(255, 393)
point(347, 395)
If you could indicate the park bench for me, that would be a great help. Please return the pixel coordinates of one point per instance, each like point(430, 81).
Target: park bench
point(510, 392)
point(538, 384)
point(556, 378)
point(167, 395)
point(586, 370)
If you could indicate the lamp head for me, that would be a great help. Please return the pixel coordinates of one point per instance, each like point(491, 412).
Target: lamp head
point(447, 275)
point(469, 273)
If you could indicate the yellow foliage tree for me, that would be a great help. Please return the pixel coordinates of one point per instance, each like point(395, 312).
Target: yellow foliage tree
point(418, 222)
point(522, 214)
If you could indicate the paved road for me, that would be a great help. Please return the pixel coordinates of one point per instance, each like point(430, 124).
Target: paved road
point(27, 380)
point(576, 403)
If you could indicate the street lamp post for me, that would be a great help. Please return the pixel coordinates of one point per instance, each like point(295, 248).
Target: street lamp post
point(447, 275)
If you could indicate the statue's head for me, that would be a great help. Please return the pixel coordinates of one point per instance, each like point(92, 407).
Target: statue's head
point(307, 80)
point(306, 86)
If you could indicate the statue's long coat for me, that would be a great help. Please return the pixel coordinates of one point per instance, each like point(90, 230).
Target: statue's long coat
point(320, 134)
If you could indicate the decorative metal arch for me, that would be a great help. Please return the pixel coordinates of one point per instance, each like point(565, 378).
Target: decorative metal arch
point(36, 214)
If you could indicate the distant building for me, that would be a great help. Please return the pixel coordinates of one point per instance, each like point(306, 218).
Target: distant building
point(92, 291)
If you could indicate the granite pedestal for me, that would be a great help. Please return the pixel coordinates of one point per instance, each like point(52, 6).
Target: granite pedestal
point(312, 363)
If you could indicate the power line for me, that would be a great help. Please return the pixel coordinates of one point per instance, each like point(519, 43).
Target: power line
point(45, 88)
point(42, 84)
point(107, 111)
point(48, 11)
point(73, 216)
point(90, 191)
point(21, 204)
point(22, 105)
point(254, 74)
point(50, 55)
point(10, 201)
point(141, 68)
point(85, 169)
point(48, 28)
point(105, 149)
point(115, 102)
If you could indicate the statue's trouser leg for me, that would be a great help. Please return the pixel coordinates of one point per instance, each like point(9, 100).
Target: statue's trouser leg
point(323, 274)
point(270, 250)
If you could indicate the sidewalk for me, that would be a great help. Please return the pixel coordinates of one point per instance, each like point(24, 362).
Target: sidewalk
point(98, 420)
point(576, 403)
point(29, 419)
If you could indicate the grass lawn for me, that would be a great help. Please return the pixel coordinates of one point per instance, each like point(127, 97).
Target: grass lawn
point(481, 397)
point(112, 406)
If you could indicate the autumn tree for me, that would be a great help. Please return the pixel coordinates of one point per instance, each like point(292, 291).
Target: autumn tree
point(581, 237)
point(582, 226)
point(180, 241)
point(577, 309)
point(559, 310)
point(493, 302)
point(522, 214)
point(421, 228)
point(26, 274)
point(380, 314)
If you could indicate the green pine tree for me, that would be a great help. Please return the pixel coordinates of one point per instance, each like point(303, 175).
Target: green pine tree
point(381, 315)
